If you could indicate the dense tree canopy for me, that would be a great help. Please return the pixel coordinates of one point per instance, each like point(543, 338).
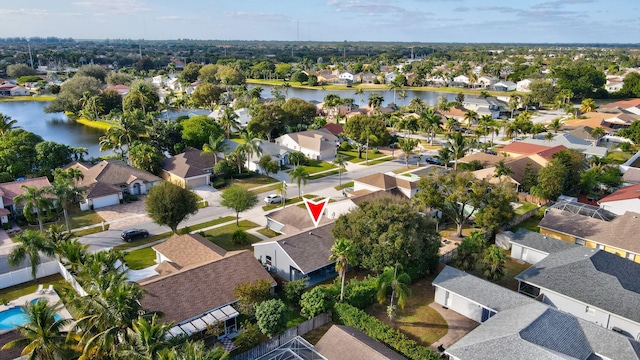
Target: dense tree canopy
point(169, 204)
point(197, 130)
point(71, 93)
point(365, 129)
point(385, 231)
point(581, 78)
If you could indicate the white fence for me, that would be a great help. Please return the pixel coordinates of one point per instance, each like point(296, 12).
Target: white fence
point(24, 275)
point(71, 280)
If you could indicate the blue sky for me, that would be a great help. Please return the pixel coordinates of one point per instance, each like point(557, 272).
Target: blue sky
point(546, 21)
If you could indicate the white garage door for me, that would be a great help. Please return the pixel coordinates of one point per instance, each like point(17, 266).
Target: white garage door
point(195, 182)
point(106, 201)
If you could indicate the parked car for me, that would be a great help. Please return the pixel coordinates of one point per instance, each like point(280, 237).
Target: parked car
point(133, 234)
point(273, 199)
point(431, 160)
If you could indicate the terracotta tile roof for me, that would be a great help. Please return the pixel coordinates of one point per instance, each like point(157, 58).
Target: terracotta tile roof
point(200, 288)
point(189, 249)
point(310, 250)
point(626, 193)
point(591, 119)
point(189, 163)
point(335, 129)
point(346, 343)
point(548, 153)
point(485, 159)
point(621, 232)
point(622, 104)
point(522, 148)
point(10, 190)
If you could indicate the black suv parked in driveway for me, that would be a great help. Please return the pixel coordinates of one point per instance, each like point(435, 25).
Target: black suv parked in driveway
point(133, 234)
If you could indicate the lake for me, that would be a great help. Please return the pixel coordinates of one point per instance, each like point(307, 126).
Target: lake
point(56, 127)
point(429, 97)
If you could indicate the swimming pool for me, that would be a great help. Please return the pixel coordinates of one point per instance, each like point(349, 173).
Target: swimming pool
point(13, 317)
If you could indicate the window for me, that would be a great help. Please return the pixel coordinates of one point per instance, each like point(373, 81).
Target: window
point(268, 260)
point(589, 310)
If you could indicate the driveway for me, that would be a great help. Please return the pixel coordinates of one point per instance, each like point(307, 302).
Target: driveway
point(207, 193)
point(458, 325)
point(130, 211)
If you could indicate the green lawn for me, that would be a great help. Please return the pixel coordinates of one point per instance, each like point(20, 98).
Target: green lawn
point(526, 207)
point(530, 224)
point(221, 236)
point(254, 181)
point(26, 98)
point(289, 201)
point(140, 259)
point(324, 174)
point(344, 185)
point(377, 161)
point(206, 224)
point(268, 232)
point(90, 231)
point(513, 268)
point(418, 320)
point(17, 291)
point(79, 218)
point(352, 156)
point(271, 188)
point(316, 166)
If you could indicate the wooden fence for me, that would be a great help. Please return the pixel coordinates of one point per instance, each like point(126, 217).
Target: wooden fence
point(281, 339)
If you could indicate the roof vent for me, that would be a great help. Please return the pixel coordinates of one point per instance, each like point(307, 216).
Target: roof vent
point(310, 233)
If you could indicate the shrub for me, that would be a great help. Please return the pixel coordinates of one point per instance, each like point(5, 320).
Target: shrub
point(293, 290)
point(361, 293)
point(251, 294)
point(223, 169)
point(344, 146)
point(354, 317)
point(317, 301)
point(248, 337)
point(239, 237)
point(272, 317)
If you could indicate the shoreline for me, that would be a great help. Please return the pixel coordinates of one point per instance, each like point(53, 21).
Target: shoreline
point(383, 87)
point(96, 124)
point(26, 98)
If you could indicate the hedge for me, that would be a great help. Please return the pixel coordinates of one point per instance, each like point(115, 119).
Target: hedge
point(376, 329)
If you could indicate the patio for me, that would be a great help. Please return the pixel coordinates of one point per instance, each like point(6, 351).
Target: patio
point(51, 296)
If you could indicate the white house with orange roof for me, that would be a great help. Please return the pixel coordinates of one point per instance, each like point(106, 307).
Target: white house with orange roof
point(9, 191)
point(623, 200)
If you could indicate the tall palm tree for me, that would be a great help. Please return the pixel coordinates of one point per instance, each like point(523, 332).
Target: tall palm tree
point(407, 146)
point(65, 190)
point(444, 155)
point(502, 169)
point(43, 336)
point(470, 116)
point(432, 122)
point(597, 133)
point(300, 176)
point(399, 285)
point(375, 101)
point(146, 338)
point(588, 105)
point(229, 121)
point(256, 92)
point(494, 263)
point(250, 146)
point(459, 147)
point(7, 124)
point(343, 253)
point(215, 146)
point(30, 244)
point(341, 163)
point(416, 104)
point(56, 236)
point(360, 92)
point(34, 200)
point(555, 125)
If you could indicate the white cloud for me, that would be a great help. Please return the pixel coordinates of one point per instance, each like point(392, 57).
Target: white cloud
point(114, 7)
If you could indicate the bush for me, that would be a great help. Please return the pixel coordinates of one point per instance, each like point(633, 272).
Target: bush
point(251, 294)
point(219, 182)
point(248, 337)
point(223, 169)
point(344, 146)
point(272, 317)
point(130, 198)
point(293, 290)
point(317, 301)
point(361, 293)
point(354, 317)
point(239, 237)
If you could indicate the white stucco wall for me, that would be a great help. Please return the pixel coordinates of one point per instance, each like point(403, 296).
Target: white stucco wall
point(280, 262)
point(621, 206)
point(458, 304)
point(525, 254)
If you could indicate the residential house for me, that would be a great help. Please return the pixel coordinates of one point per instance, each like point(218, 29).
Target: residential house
point(538, 153)
point(486, 81)
point(591, 284)
point(622, 120)
point(366, 77)
point(504, 85)
point(486, 160)
point(327, 76)
point(107, 182)
point(10, 190)
point(582, 132)
point(484, 106)
point(189, 169)
point(622, 200)
point(473, 297)
point(318, 144)
point(523, 85)
point(292, 220)
point(122, 90)
point(461, 80)
point(537, 331)
point(570, 142)
point(346, 77)
point(335, 129)
point(631, 176)
point(195, 284)
point(243, 117)
point(390, 77)
point(405, 185)
point(455, 112)
point(594, 228)
point(518, 169)
point(9, 89)
point(531, 247)
point(346, 343)
point(278, 153)
point(614, 85)
point(304, 255)
point(630, 106)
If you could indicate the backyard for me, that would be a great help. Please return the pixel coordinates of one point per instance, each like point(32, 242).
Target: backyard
point(17, 291)
point(221, 236)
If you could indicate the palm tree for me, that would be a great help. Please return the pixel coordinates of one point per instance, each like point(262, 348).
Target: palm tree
point(228, 121)
point(297, 158)
point(35, 201)
point(250, 146)
point(65, 190)
point(417, 105)
point(548, 136)
point(146, 338)
point(399, 285)
point(444, 155)
point(494, 263)
point(256, 92)
point(432, 122)
point(360, 92)
point(459, 147)
point(56, 236)
point(502, 169)
point(555, 125)
point(300, 176)
point(588, 105)
point(43, 336)
point(341, 163)
point(597, 133)
point(30, 244)
point(343, 253)
point(407, 146)
point(215, 146)
point(7, 124)
point(514, 103)
point(375, 101)
point(470, 116)
point(469, 250)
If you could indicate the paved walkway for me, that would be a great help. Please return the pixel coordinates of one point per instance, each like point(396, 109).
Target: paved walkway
point(459, 326)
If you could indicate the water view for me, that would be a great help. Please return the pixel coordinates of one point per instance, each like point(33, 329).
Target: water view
point(52, 127)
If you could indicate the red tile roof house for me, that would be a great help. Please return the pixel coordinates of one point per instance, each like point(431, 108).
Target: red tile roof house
point(107, 182)
point(9, 191)
point(196, 282)
point(623, 200)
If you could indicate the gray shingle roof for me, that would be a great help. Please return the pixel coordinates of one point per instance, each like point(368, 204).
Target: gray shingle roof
point(540, 242)
point(490, 295)
point(570, 142)
point(592, 276)
point(536, 331)
point(344, 342)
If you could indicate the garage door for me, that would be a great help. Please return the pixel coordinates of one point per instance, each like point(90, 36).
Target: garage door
point(106, 201)
point(195, 182)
